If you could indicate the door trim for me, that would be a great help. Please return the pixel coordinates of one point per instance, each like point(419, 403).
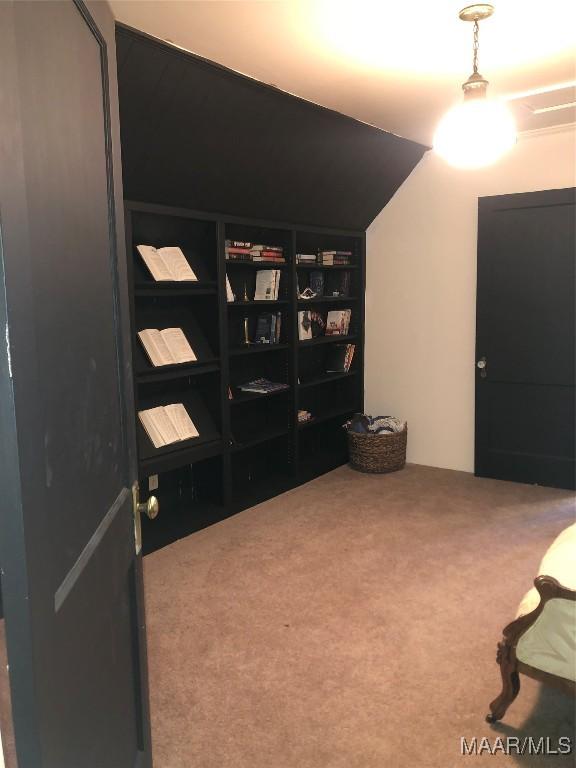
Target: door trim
point(75, 572)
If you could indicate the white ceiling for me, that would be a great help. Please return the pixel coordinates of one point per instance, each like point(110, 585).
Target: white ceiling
point(397, 65)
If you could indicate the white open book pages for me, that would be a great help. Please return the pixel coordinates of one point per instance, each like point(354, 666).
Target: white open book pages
point(179, 417)
point(166, 264)
point(167, 347)
point(167, 424)
point(158, 426)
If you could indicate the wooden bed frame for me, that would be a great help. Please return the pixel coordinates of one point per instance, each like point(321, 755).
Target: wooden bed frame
point(548, 588)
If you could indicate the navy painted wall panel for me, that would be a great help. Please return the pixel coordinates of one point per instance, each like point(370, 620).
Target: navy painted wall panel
point(200, 136)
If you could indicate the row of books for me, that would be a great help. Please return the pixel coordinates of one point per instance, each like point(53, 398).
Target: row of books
point(334, 258)
point(312, 324)
point(167, 263)
point(239, 250)
point(326, 258)
point(268, 327)
point(167, 424)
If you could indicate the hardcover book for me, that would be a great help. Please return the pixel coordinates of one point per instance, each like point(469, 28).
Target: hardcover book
point(338, 322)
point(317, 282)
point(304, 325)
point(267, 284)
point(166, 264)
point(167, 424)
point(167, 347)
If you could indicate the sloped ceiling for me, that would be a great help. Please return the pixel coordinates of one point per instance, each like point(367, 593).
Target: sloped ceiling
point(396, 65)
point(197, 135)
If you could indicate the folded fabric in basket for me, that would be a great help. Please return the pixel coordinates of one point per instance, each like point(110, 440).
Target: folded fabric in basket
point(386, 424)
point(376, 425)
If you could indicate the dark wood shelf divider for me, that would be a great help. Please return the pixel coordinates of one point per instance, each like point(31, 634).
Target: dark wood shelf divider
point(326, 300)
point(250, 447)
point(257, 348)
point(327, 340)
point(259, 303)
point(327, 266)
point(256, 264)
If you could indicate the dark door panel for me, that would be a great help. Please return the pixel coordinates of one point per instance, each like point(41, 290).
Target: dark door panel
point(71, 577)
point(525, 402)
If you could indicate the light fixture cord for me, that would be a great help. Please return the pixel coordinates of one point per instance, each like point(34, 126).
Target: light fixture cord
point(476, 30)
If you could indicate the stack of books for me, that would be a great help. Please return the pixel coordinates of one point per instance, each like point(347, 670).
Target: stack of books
point(267, 284)
point(339, 358)
point(240, 250)
point(338, 322)
point(262, 386)
point(334, 258)
point(268, 328)
point(306, 258)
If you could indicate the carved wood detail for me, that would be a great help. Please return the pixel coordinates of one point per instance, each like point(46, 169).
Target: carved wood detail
point(548, 588)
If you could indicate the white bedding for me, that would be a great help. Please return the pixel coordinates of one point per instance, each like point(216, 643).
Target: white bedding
point(550, 643)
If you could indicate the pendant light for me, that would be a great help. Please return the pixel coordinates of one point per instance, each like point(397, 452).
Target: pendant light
point(479, 130)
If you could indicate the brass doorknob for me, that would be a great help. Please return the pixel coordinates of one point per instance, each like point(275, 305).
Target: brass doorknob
point(149, 508)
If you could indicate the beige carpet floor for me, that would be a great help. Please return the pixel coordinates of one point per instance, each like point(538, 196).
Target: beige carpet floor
point(350, 623)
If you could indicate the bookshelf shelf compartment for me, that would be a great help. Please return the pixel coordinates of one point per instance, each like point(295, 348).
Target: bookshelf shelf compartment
point(326, 379)
point(326, 417)
point(258, 439)
point(248, 397)
point(262, 471)
point(181, 456)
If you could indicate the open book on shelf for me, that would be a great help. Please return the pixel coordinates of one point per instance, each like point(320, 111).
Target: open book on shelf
point(167, 424)
point(166, 264)
point(167, 347)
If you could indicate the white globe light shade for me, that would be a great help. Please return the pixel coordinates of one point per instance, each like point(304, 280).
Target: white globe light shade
point(475, 133)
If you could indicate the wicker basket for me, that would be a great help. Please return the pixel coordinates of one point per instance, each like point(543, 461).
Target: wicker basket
point(377, 453)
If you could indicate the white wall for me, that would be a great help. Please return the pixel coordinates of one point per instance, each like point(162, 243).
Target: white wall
point(421, 292)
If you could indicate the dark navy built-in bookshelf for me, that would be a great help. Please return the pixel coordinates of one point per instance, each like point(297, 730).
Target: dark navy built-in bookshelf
point(251, 447)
